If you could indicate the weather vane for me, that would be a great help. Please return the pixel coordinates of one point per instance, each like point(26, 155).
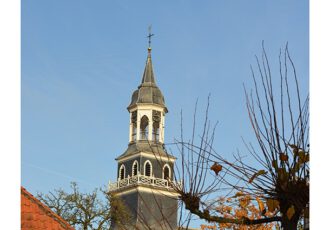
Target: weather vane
point(149, 36)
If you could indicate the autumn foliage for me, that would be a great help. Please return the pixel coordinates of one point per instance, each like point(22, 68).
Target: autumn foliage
point(243, 206)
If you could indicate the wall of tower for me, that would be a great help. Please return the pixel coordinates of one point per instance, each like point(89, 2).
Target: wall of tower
point(157, 166)
point(147, 110)
point(150, 210)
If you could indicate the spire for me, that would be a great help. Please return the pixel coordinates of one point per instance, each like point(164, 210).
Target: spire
point(148, 75)
point(148, 92)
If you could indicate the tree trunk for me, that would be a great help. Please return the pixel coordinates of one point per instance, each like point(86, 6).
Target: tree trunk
point(289, 225)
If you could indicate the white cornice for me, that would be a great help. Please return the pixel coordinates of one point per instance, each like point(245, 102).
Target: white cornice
point(150, 156)
point(141, 188)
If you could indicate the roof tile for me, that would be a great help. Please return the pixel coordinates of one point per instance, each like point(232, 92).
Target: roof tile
point(37, 216)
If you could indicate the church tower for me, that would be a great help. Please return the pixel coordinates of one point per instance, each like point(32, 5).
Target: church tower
point(145, 169)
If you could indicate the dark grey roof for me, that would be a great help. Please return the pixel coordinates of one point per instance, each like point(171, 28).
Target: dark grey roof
point(148, 92)
point(147, 147)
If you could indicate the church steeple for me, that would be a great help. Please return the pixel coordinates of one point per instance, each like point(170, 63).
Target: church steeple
point(148, 92)
point(147, 108)
point(145, 169)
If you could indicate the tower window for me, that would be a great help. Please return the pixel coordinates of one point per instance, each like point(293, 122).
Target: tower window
point(147, 168)
point(155, 131)
point(144, 127)
point(156, 124)
point(135, 168)
point(166, 172)
point(133, 121)
point(122, 172)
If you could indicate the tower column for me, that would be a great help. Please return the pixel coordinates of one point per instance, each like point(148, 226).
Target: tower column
point(138, 128)
point(151, 123)
point(130, 138)
point(161, 129)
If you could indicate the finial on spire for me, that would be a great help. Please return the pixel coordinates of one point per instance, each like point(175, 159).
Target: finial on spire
point(149, 37)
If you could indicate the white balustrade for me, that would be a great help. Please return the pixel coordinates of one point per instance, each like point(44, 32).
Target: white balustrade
point(141, 179)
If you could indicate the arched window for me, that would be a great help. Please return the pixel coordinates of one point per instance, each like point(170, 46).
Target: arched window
point(147, 168)
point(135, 168)
point(144, 127)
point(122, 172)
point(166, 172)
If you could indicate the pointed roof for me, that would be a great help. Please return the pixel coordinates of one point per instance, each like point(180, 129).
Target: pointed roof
point(148, 75)
point(148, 92)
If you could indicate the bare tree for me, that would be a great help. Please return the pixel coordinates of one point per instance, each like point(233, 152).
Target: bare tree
point(87, 210)
point(280, 177)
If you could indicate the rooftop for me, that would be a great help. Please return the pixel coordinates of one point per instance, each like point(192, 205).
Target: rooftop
point(37, 216)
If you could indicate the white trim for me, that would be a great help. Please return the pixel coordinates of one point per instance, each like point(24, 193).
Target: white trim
point(150, 156)
point(137, 168)
point(147, 106)
point(122, 166)
point(169, 171)
point(148, 190)
point(144, 168)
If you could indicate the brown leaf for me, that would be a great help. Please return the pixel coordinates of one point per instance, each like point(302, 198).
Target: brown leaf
point(272, 204)
point(290, 212)
point(216, 168)
point(244, 202)
point(261, 204)
point(293, 146)
point(274, 163)
point(284, 157)
point(260, 172)
point(302, 158)
point(238, 194)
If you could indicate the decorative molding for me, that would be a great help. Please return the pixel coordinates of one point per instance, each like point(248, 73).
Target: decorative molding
point(129, 184)
point(150, 156)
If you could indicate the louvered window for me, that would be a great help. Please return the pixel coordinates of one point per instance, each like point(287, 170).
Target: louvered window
point(135, 168)
point(122, 172)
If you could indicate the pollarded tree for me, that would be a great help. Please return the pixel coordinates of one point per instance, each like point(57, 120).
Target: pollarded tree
point(280, 176)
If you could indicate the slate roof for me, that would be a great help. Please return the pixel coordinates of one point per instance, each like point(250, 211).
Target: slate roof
point(37, 216)
point(148, 92)
point(147, 147)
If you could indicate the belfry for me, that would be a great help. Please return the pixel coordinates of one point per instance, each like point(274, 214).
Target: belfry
point(145, 169)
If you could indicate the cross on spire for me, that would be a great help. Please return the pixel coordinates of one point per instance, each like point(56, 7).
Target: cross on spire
point(149, 36)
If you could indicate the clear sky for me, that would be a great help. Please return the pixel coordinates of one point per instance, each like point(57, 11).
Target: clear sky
point(81, 61)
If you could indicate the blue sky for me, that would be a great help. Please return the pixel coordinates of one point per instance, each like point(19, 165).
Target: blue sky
point(81, 61)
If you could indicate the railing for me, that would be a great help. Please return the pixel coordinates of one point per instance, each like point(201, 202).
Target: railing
point(141, 179)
